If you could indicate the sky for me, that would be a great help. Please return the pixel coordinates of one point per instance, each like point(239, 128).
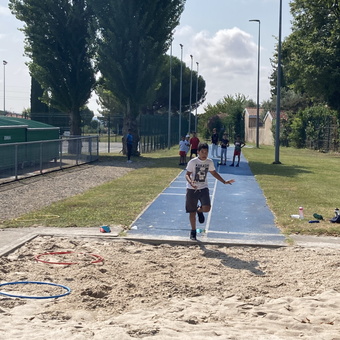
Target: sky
point(217, 33)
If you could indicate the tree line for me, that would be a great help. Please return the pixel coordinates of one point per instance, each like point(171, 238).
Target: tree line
point(123, 43)
point(310, 88)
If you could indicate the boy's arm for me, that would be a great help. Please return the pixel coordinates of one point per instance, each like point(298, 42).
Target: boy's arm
point(189, 180)
point(218, 177)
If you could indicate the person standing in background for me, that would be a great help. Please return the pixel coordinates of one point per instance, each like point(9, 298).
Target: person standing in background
point(194, 141)
point(214, 143)
point(224, 146)
point(187, 145)
point(129, 143)
point(183, 149)
point(237, 151)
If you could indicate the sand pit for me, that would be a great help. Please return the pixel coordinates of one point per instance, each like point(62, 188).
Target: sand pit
point(145, 291)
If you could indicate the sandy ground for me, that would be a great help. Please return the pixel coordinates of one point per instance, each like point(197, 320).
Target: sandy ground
point(145, 291)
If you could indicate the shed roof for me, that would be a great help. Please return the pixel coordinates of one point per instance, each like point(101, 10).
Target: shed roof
point(28, 123)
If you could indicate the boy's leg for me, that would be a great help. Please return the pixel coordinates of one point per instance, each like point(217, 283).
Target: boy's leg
point(192, 220)
point(204, 198)
point(232, 164)
point(191, 207)
point(238, 160)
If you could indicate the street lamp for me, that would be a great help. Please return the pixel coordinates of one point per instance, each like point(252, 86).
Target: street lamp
point(258, 84)
point(196, 98)
point(4, 62)
point(190, 95)
point(169, 115)
point(180, 97)
point(278, 89)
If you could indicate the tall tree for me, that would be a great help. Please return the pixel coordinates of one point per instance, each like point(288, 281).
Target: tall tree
point(226, 113)
point(311, 54)
point(133, 36)
point(37, 106)
point(162, 86)
point(59, 41)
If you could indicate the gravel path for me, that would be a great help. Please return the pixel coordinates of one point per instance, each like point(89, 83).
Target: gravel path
point(33, 193)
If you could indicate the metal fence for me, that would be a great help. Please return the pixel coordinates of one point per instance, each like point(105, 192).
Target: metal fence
point(21, 160)
point(325, 138)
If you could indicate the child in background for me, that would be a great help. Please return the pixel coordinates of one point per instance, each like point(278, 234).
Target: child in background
point(194, 141)
point(183, 150)
point(224, 145)
point(237, 152)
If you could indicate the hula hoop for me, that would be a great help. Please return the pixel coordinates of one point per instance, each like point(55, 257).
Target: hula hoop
point(68, 290)
point(37, 257)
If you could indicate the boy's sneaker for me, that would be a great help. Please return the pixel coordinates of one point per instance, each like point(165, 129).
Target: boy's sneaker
point(193, 235)
point(201, 218)
point(231, 164)
point(237, 165)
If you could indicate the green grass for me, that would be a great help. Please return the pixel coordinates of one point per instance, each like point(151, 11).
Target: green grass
point(118, 202)
point(305, 178)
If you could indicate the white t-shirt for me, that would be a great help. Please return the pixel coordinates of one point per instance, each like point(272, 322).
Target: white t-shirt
point(199, 171)
point(183, 145)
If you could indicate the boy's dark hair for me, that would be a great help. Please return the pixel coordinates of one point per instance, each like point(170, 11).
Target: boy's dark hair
point(202, 146)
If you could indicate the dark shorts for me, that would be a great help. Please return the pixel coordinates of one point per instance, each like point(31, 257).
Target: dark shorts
point(193, 152)
point(237, 153)
point(182, 153)
point(193, 196)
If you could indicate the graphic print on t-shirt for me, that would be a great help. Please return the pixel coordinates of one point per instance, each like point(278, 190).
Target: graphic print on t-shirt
point(201, 171)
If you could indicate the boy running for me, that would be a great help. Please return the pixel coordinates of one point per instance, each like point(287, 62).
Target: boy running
point(197, 186)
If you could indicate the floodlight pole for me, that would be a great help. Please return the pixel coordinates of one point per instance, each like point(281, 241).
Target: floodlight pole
point(189, 130)
point(180, 96)
point(258, 85)
point(4, 62)
point(169, 115)
point(278, 98)
point(196, 97)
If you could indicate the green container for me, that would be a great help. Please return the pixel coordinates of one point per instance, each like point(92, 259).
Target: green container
point(13, 133)
point(18, 130)
point(9, 135)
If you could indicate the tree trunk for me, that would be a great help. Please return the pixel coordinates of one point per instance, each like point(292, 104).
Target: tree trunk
point(74, 146)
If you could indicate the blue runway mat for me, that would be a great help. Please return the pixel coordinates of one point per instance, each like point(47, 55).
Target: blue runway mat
point(239, 211)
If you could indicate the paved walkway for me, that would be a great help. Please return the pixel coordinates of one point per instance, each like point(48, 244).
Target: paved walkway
point(239, 212)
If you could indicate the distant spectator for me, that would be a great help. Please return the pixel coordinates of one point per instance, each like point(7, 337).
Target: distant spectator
point(194, 141)
point(129, 144)
point(214, 143)
point(237, 151)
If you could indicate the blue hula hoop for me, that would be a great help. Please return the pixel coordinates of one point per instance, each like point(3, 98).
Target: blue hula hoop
point(68, 290)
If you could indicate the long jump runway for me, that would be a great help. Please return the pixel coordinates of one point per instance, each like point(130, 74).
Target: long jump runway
point(239, 212)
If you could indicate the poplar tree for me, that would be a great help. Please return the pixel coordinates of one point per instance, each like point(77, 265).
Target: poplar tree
point(59, 41)
point(133, 36)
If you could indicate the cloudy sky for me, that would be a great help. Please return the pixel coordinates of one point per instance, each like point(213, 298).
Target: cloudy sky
point(216, 32)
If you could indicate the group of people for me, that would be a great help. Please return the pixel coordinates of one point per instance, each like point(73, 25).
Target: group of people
point(187, 144)
point(224, 143)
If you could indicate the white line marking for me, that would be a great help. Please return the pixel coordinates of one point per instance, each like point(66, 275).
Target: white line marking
point(240, 233)
point(171, 194)
point(207, 225)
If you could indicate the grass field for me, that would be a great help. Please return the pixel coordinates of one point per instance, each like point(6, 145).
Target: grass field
point(305, 178)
